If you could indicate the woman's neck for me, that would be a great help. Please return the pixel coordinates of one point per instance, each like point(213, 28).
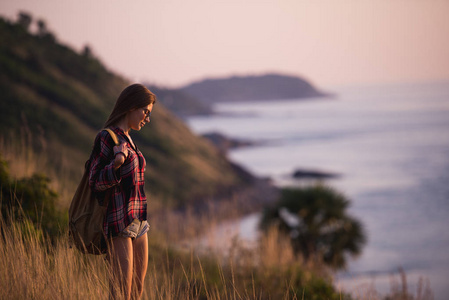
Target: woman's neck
point(123, 125)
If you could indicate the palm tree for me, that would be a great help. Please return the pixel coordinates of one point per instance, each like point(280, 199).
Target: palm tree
point(316, 220)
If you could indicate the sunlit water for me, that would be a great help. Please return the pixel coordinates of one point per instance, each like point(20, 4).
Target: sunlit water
point(391, 146)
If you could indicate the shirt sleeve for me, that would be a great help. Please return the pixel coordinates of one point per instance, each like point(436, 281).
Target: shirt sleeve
point(101, 174)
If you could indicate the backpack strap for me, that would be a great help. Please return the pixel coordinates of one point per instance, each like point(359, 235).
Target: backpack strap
point(114, 138)
point(113, 135)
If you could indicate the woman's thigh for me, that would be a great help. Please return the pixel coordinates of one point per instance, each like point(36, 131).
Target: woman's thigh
point(140, 249)
point(122, 254)
point(121, 259)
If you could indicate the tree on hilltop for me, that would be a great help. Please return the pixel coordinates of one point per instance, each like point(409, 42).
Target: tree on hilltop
point(24, 20)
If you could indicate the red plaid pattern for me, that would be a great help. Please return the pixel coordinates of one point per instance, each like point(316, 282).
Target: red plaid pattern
point(128, 197)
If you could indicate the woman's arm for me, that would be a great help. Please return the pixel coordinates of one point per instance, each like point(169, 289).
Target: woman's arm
point(104, 167)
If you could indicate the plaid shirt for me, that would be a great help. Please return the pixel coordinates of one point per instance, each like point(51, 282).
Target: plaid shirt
point(128, 200)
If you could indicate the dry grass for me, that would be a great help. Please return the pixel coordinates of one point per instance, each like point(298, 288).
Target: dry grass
point(32, 268)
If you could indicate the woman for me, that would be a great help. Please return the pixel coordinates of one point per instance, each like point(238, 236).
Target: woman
point(121, 168)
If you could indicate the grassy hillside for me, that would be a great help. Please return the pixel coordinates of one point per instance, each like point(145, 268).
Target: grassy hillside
point(57, 100)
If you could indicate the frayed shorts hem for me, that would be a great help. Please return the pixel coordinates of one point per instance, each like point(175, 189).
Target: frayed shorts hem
point(135, 230)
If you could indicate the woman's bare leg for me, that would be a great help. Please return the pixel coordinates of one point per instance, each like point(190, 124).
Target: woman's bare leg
point(140, 247)
point(121, 260)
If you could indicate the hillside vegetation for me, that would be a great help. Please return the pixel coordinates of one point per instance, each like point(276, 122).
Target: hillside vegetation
point(57, 100)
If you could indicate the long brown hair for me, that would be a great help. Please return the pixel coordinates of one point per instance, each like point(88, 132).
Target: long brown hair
point(132, 97)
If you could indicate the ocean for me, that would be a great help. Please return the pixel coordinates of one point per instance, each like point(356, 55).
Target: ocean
point(390, 146)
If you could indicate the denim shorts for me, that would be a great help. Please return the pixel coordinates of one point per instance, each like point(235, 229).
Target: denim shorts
point(136, 229)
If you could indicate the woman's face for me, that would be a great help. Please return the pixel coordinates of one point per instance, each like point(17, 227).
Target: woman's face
point(138, 117)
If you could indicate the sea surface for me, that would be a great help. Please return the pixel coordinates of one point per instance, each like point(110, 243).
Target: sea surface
point(390, 146)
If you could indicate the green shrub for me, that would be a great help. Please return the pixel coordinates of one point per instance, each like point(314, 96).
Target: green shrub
point(30, 198)
point(316, 221)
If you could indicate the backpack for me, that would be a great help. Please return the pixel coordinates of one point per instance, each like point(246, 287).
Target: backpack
point(86, 215)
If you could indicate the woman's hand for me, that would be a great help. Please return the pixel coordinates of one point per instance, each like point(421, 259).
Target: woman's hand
point(120, 155)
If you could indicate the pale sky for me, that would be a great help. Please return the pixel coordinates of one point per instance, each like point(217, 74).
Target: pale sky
point(329, 42)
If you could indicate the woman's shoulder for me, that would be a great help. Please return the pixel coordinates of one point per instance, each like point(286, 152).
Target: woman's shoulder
point(103, 136)
point(103, 140)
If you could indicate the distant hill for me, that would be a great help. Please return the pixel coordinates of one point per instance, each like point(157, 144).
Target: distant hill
point(179, 102)
point(251, 88)
point(59, 99)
